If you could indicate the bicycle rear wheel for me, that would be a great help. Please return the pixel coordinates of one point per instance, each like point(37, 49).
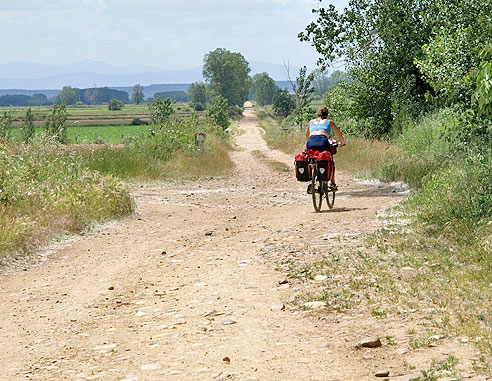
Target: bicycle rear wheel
point(317, 191)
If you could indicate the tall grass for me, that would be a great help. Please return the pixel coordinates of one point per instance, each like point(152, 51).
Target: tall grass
point(166, 151)
point(44, 192)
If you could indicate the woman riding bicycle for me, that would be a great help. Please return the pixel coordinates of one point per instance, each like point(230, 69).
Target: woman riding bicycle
point(317, 135)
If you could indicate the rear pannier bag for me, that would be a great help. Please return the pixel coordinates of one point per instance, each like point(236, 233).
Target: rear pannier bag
point(334, 146)
point(302, 167)
point(325, 165)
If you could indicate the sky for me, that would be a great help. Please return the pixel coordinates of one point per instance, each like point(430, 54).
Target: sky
point(162, 33)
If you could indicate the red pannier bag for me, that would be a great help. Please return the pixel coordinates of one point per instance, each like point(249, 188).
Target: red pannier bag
point(325, 165)
point(302, 167)
point(334, 146)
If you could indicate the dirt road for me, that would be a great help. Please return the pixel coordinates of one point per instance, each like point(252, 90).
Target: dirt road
point(187, 289)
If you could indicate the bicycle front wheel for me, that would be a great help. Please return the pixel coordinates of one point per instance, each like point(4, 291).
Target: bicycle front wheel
point(317, 191)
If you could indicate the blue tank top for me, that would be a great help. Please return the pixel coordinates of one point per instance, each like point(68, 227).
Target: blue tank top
point(326, 127)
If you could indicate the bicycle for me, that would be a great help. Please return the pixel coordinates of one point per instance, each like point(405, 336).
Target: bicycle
point(319, 186)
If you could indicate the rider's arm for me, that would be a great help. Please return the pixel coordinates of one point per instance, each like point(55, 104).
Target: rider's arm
point(337, 132)
point(307, 132)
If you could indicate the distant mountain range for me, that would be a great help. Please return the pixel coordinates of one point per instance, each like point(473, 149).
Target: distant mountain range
point(31, 76)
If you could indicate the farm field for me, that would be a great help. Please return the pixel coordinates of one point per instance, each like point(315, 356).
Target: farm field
point(118, 134)
point(97, 115)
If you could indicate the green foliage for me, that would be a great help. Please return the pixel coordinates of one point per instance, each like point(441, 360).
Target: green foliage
point(27, 129)
point(197, 96)
point(323, 83)
point(218, 113)
point(228, 75)
point(458, 195)
point(303, 90)
point(403, 55)
point(138, 122)
point(101, 95)
point(283, 103)
point(483, 93)
point(55, 123)
point(160, 110)
point(5, 124)
point(138, 94)
point(23, 100)
point(164, 139)
point(68, 95)
point(115, 104)
point(174, 95)
point(262, 89)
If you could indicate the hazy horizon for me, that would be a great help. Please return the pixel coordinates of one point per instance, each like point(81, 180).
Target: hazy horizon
point(162, 34)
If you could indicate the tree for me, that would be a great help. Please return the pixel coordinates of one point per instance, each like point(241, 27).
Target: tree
point(323, 83)
point(27, 129)
point(55, 122)
point(68, 95)
point(483, 93)
point(228, 75)
point(197, 96)
point(218, 112)
point(265, 89)
point(115, 104)
point(138, 94)
point(303, 89)
point(5, 124)
point(401, 54)
point(283, 103)
point(160, 110)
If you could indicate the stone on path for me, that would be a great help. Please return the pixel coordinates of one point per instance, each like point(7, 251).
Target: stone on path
point(382, 373)
point(283, 281)
point(371, 342)
point(226, 360)
point(315, 305)
point(320, 277)
point(150, 367)
point(228, 322)
point(277, 307)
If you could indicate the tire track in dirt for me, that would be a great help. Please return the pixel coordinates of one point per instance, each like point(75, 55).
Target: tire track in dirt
point(186, 284)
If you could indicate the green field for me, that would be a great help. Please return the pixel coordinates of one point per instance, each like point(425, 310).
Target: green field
point(94, 124)
point(97, 115)
point(94, 135)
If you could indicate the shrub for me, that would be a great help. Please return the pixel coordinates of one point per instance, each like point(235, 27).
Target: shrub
point(27, 129)
point(138, 122)
point(55, 123)
point(115, 104)
point(160, 110)
point(218, 112)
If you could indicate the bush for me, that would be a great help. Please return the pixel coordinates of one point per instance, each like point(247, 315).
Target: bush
point(218, 112)
point(160, 110)
point(115, 104)
point(139, 122)
point(457, 196)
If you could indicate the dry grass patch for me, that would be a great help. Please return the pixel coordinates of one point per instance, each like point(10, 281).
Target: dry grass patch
point(273, 164)
point(44, 192)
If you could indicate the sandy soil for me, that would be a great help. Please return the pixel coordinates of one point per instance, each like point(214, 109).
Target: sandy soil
point(187, 289)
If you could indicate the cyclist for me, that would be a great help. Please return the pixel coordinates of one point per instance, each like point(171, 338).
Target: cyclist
point(317, 135)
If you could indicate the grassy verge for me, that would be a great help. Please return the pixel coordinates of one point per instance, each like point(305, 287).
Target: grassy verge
point(166, 152)
point(44, 193)
point(434, 259)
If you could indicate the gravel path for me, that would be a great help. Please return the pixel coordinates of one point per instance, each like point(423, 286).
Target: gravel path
point(184, 290)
